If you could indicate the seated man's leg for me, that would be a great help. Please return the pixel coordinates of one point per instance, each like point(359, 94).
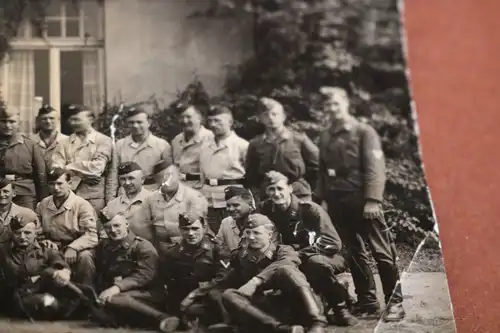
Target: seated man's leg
point(84, 268)
point(321, 272)
point(243, 314)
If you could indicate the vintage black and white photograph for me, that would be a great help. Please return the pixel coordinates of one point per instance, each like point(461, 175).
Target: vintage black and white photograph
point(213, 166)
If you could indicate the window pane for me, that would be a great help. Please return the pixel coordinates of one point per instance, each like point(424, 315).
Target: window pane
point(72, 28)
point(72, 9)
point(92, 11)
point(42, 75)
point(54, 29)
point(54, 8)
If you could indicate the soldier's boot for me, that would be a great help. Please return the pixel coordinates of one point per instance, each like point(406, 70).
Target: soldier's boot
point(366, 310)
point(169, 324)
point(342, 316)
point(242, 307)
point(313, 311)
point(394, 312)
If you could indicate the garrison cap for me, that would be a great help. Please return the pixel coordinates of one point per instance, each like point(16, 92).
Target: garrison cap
point(45, 109)
point(187, 219)
point(128, 167)
point(75, 109)
point(103, 217)
point(257, 220)
point(133, 111)
point(17, 222)
point(272, 177)
point(331, 90)
point(55, 174)
point(238, 191)
point(216, 110)
point(7, 112)
point(270, 103)
point(160, 166)
point(4, 182)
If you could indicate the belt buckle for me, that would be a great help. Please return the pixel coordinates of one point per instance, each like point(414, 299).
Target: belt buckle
point(331, 172)
point(183, 176)
point(10, 177)
point(213, 182)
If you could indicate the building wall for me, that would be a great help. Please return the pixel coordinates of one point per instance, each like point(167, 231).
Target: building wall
point(152, 47)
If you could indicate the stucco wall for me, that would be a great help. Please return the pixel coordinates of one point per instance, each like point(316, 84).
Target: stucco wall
point(153, 48)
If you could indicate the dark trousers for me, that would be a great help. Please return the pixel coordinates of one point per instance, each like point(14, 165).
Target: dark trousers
point(28, 201)
point(215, 217)
point(360, 236)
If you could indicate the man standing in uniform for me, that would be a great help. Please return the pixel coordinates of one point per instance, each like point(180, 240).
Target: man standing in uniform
point(69, 224)
point(131, 178)
point(239, 205)
point(48, 137)
point(307, 227)
point(352, 180)
point(158, 218)
point(126, 267)
point(222, 163)
point(87, 156)
point(191, 267)
point(9, 210)
point(32, 277)
point(186, 146)
point(261, 265)
point(21, 160)
point(141, 146)
point(281, 149)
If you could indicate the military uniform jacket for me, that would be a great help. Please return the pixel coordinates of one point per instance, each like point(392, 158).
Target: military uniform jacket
point(293, 154)
point(244, 267)
point(351, 159)
point(88, 157)
point(19, 267)
point(23, 160)
point(48, 150)
point(185, 268)
point(302, 224)
point(14, 210)
point(129, 264)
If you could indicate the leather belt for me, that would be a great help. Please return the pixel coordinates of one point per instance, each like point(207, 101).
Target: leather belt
point(189, 177)
point(221, 182)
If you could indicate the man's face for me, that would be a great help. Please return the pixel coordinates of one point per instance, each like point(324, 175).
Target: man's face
point(138, 124)
point(7, 193)
point(9, 126)
point(259, 237)
point(279, 192)
point(117, 228)
point(47, 122)
point(192, 234)
point(171, 179)
point(274, 117)
point(132, 182)
point(80, 122)
point(190, 119)
point(237, 208)
point(337, 102)
point(25, 236)
point(220, 124)
point(60, 187)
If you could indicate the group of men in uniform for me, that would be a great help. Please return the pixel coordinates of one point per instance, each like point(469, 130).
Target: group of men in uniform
point(207, 229)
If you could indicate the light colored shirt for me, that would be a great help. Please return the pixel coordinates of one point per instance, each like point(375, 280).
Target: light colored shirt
point(48, 151)
point(224, 160)
point(186, 154)
point(229, 234)
point(74, 223)
point(126, 206)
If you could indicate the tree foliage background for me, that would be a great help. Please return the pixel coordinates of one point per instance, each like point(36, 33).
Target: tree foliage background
point(301, 45)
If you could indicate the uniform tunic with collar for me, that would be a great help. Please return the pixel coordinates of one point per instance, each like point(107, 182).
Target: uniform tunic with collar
point(129, 264)
point(73, 224)
point(91, 156)
point(23, 159)
point(222, 161)
point(15, 210)
point(292, 153)
point(146, 154)
point(158, 219)
point(230, 234)
point(186, 154)
point(126, 206)
point(48, 151)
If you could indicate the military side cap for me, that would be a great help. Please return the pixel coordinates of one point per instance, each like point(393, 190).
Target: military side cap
point(187, 219)
point(4, 182)
point(160, 166)
point(55, 174)
point(128, 167)
point(75, 109)
point(45, 109)
point(268, 103)
point(7, 112)
point(103, 217)
point(133, 111)
point(272, 177)
point(17, 222)
point(237, 191)
point(216, 110)
point(257, 220)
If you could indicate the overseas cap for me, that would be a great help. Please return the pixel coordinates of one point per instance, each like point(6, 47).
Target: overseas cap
point(128, 167)
point(257, 220)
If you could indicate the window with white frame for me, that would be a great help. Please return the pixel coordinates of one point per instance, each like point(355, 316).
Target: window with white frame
point(62, 62)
